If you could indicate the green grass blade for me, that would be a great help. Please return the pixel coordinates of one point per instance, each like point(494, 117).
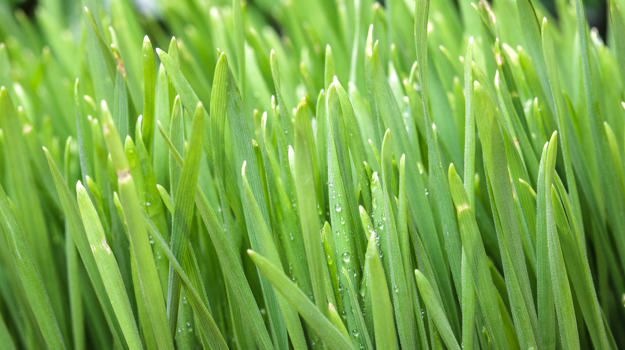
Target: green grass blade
point(29, 275)
point(384, 326)
point(436, 311)
point(290, 315)
point(477, 261)
point(207, 325)
point(331, 336)
point(107, 265)
point(149, 86)
point(183, 212)
point(229, 260)
point(559, 280)
point(140, 244)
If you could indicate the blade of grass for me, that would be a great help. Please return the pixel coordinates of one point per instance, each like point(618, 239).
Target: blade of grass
point(140, 244)
point(29, 275)
point(331, 336)
point(107, 265)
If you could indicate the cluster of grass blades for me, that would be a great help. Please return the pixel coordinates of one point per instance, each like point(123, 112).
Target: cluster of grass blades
point(311, 174)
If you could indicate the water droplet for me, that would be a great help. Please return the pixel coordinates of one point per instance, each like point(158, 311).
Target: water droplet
point(355, 333)
point(184, 300)
point(426, 192)
point(342, 220)
point(151, 240)
point(291, 235)
point(347, 257)
point(338, 208)
point(147, 204)
point(396, 289)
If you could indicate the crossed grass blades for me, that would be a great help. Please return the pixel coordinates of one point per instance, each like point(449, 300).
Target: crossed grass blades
point(415, 175)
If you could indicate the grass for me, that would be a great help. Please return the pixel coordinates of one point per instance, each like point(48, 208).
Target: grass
point(311, 174)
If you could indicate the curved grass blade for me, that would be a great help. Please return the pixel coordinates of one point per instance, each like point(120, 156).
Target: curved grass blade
point(436, 311)
point(331, 336)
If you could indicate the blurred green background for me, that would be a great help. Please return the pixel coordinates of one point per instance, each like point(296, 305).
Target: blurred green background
point(596, 10)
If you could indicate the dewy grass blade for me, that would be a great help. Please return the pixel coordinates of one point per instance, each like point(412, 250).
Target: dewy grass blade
point(107, 265)
point(331, 336)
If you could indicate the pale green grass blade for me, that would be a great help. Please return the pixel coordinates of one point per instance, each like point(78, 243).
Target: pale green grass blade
point(149, 87)
point(469, 128)
point(29, 275)
point(384, 326)
point(140, 244)
point(73, 269)
point(436, 311)
point(107, 265)
point(331, 336)
point(336, 320)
